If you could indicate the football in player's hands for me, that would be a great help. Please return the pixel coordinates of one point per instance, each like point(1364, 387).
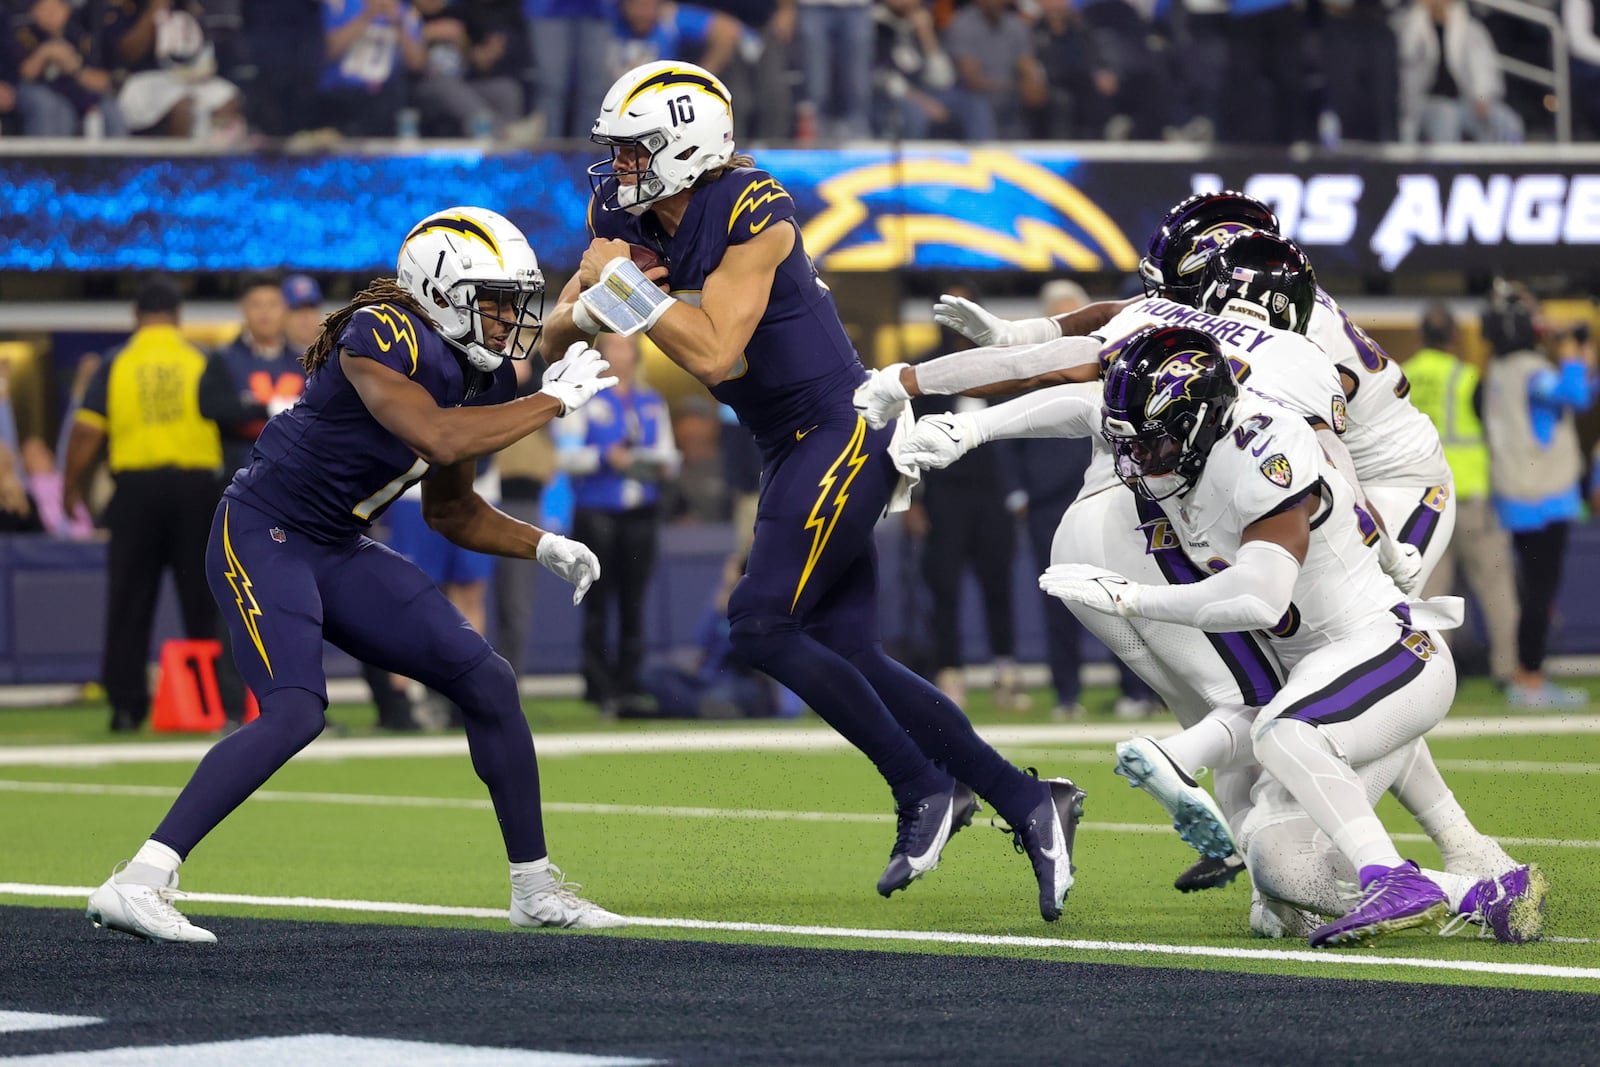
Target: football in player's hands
point(647, 260)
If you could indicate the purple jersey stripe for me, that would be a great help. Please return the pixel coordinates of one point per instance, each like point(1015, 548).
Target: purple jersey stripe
point(1418, 529)
point(1241, 651)
point(1359, 688)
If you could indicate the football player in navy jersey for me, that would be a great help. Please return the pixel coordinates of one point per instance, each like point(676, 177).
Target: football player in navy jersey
point(748, 316)
point(408, 379)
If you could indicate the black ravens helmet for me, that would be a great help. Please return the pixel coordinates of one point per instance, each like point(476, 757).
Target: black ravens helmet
point(1168, 394)
point(1190, 232)
point(1263, 276)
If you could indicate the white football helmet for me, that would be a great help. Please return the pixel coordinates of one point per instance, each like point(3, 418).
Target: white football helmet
point(678, 113)
point(454, 256)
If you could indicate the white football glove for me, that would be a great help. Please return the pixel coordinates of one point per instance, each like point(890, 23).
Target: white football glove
point(575, 378)
point(882, 397)
point(569, 560)
point(1094, 587)
point(938, 441)
point(984, 329)
point(1403, 563)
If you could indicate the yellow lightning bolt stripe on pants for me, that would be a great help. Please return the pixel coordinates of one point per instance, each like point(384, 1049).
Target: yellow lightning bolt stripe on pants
point(830, 504)
point(240, 581)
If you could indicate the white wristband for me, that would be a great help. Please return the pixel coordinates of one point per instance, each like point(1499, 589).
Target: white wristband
point(585, 321)
point(624, 300)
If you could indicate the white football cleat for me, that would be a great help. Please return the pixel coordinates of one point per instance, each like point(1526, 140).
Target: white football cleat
point(1195, 815)
point(558, 904)
point(1273, 918)
point(142, 909)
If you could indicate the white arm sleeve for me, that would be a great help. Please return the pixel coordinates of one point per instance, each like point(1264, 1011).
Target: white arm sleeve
point(956, 373)
point(1071, 410)
point(1253, 594)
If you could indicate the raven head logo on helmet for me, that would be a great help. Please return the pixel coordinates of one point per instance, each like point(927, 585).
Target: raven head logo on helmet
point(666, 124)
point(1168, 396)
point(1261, 276)
point(475, 276)
point(1190, 233)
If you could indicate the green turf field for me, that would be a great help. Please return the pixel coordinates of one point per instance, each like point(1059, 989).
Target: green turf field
point(790, 838)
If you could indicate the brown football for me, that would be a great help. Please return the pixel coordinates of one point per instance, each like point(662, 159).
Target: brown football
point(644, 258)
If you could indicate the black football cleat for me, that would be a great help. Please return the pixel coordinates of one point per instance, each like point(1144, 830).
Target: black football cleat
point(1209, 873)
point(922, 831)
point(1047, 839)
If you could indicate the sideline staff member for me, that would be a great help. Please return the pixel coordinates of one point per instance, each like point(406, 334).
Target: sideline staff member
point(145, 402)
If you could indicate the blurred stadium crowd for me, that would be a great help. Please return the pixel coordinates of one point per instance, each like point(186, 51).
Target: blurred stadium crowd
point(234, 73)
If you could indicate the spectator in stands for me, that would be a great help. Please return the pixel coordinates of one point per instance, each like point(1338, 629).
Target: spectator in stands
point(171, 86)
point(914, 81)
point(836, 56)
point(1449, 390)
point(570, 42)
point(617, 454)
point(144, 402)
point(649, 30)
point(1535, 465)
point(1361, 64)
point(994, 59)
point(1581, 20)
point(1264, 101)
point(59, 84)
point(463, 91)
point(1079, 70)
point(370, 46)
point(1200, 64)
point(1451, 88)
point(283, 42)
point(971, 510)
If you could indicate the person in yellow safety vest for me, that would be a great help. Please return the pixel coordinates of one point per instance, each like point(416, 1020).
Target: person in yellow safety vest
point(1449, 390)
point(143, 405)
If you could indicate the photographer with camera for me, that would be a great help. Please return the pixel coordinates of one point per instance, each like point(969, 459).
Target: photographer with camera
point(1535, 467)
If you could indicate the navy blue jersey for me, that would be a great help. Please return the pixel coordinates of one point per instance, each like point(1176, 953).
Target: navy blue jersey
point(326, 467)
point(800, 366)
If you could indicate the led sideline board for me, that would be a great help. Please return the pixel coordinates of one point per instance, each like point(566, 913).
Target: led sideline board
point(863, 210)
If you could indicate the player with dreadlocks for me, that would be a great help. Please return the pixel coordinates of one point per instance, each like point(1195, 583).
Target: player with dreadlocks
point(409, 378)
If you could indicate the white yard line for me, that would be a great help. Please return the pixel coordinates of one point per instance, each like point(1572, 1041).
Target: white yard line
point(730, 739)
point(384, 800)
point(930, 937)
point(1513, 766)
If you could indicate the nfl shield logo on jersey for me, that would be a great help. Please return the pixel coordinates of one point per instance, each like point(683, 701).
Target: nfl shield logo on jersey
point(1276, 468)
point(277, 534)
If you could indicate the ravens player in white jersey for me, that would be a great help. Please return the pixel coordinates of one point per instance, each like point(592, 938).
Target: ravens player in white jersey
point(1365, 675)
point(1097, 529)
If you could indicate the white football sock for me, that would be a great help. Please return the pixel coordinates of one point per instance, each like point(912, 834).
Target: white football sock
point(1302, 760)
point(531, 876)
point(1219, 741)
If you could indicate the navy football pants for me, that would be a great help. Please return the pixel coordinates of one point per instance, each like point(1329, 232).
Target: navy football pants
point(806, 612)
point(281, 594)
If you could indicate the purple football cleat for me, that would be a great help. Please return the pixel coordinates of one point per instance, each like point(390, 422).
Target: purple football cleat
point(1392, 898)
point(1510, 906)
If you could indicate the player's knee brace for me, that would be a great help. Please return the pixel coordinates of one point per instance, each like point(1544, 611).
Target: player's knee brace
point(488, 690)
